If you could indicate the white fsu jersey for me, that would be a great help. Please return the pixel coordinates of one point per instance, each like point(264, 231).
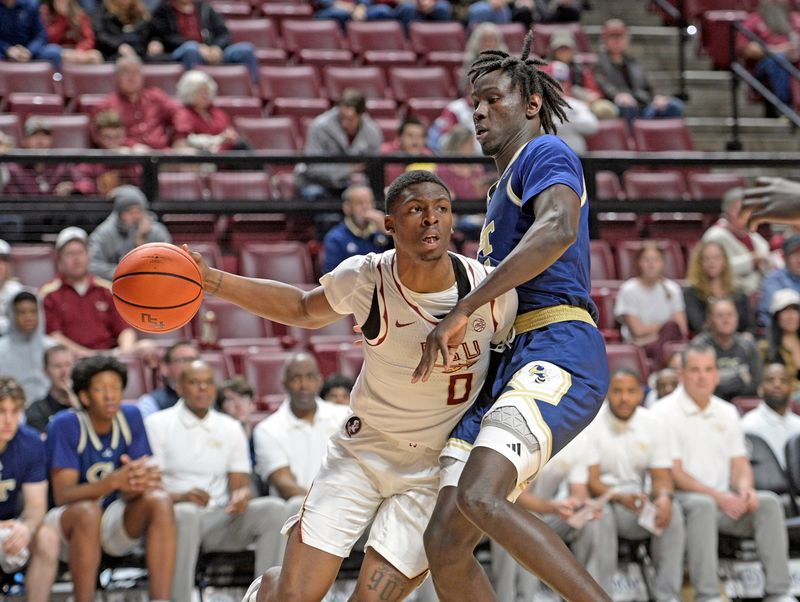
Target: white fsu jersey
point(395, 323)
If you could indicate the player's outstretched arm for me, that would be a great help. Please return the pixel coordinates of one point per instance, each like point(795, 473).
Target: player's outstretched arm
point(557, 211)
point(268, 298)
point(772, 200)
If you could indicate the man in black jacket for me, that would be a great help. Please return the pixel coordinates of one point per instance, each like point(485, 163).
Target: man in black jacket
point(193, 33)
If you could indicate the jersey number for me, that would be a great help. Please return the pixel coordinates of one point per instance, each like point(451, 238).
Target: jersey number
point(459, 388)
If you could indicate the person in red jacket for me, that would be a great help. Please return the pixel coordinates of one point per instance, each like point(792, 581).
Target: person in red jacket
point(71, 28)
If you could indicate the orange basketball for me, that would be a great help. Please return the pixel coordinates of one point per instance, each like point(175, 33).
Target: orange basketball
point(157, 287)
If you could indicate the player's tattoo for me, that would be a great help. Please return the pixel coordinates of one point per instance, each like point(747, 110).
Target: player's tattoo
point(387, 583)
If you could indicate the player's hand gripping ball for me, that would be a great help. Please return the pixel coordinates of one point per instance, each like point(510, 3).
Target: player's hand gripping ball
point(157, 287)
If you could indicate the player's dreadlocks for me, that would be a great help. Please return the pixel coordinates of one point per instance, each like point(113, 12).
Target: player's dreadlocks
point(527, 78)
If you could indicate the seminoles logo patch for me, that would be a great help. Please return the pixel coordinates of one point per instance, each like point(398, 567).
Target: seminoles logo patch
point(479, 325)
point(352, 426)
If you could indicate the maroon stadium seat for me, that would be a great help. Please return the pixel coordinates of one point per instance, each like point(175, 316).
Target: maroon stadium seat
point(339, 330)
point(180, 186)
point(86, 79)
point(319, 34)
point(208, 249)
point(604, 300)
point(233, 322)
point(240, 106)
point(375, 35)
point(232, 10)
point(715, 29)
point(350, 362)
point(607, 186)
point(420, 82)
point(25, 104)
point(427, 109)
point(10, 126)
point(33, 265)
point(299, 109)
point(35, 77)
point(193, 228)
point(514, 36)
point(263, 35)
point(674, 266)
point(685, 227)
point(627, 356)
point(713, 185)
point(232, 80)
point(369, 80)
point(611, 135)
point(268, 133)
point(327, 355)
point(219, 363)
point(744, 403)
point(265, 373)
point(249, 228)
point(616, 226)
point(280, 11)
point(239, 185)
point(602, 260)
point(655, 185)
point(288, 262)
point(237, 349)
point(388, 125)
point(290, 81)
point(662, 135)
point(387, 59)
point(69, 131)
point(163, 75)
point(543, 31)
point(439, 43)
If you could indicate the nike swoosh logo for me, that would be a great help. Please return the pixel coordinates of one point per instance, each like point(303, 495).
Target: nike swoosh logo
point(399, 325)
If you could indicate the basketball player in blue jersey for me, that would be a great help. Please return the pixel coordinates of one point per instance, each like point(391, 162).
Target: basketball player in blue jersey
point(23, 484)
point(105, 492)
point(550, 384)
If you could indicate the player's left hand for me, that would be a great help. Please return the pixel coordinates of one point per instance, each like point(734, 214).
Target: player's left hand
point(239, 500)
point(443, 341)
point(18, 539)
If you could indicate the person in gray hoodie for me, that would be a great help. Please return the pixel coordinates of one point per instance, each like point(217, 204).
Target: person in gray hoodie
point(129, 225)
point(344, 130)
point(22, 349)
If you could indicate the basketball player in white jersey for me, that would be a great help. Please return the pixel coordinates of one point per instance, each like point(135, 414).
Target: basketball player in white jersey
point(382, 466)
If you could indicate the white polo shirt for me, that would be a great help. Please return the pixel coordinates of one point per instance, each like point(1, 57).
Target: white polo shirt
point(626, 449)
point(773, 428)
point(198, 453)
point(704, 440)
point(283, 439)
point(567, 467)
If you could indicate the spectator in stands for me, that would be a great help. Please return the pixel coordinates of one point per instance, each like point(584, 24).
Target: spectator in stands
point(650, 306)
point(70, 27)
point(336, 389)
point(360, 232)
point(108, 133)
point(748, 252)
point(710, 277)
point(352, 10)
point(783, 278)
point(410, 140)
point(22, 349)
point(58, 364)
point(193, 33)
point(625, 444)
point(777, 24)
point(129, 225)
point(773, 420)
point(738, 360)
point(489, 11)
point(291, 443)
point(560, 497)
point(624, 81)
point(235, 398)
point(39, 179)
point(105, 490)
point(23, 37)
point(206, 467)
point(199, 125)
point(524, 11)
point(9, 286)
point(177, 356)
point(146, 112)
point(23, 473)
point(715, 481)
point(122, 28)
point(665, 381)
point(407, 11)
point(79, 310)
point(783, 335)
point(576, 79)
point(344, 130)
point(465, 180)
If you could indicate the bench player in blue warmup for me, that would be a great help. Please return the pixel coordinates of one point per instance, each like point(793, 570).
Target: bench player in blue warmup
point(550, 384)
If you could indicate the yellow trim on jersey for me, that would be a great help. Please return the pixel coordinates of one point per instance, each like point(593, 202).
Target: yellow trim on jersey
point(539, 318)
point(584, 197)
point(459, 443)
point(513, 195)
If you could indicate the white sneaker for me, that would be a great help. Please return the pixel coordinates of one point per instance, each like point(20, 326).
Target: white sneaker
point(252, 591)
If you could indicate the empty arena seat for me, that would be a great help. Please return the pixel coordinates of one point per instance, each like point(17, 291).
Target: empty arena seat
point(289, 81)
point(674, 266)
point(87, 79)
point(427, 109)
point(715, 30)
point(268, 133)
point(685, 227)
point(543, 31)
point(514, 36)
point(232, 80)
point(439, 43)
point(191, 227)
point(666, 185)
point(288, 262)
point(69, 131)
point(369, 80)
point(656, 135)
point(375, 35)
point(240, 106)
point(180, 186)
point(602, 260)
point(25, 104)
point(265, 373)
point(607, 186)
point(420, 82)
point(163, 75)
point(233, 322)
point(280, 11)
point(237, 349)
point(300, 108)
point(627, 356)
point(10, 126)
point(219, 363)
point(231, 10)
point(35, 77)
point(33, 265)
point(319, 34)
point(239, 185)
point(263, 35)
point(611, 135)
point(248, 228)
point(604, 299)
point(744, 403)
point(713, 185)
point(335, 332)
point(615, 226)
point(208, 249)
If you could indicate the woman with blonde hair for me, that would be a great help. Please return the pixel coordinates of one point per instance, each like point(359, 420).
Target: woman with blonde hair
point(122, 28)
point(710, 277)
point(650, 306)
